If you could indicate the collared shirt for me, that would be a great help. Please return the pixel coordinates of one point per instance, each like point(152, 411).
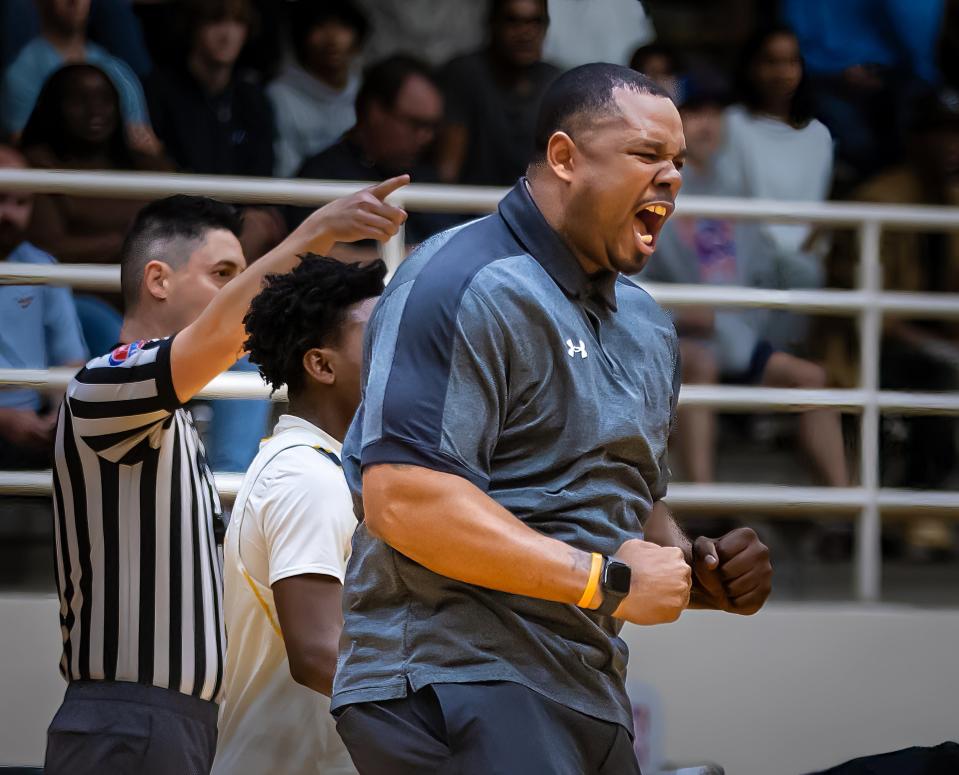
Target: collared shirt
point(310, 116)
point(134, 503)
point(493, 356)
point(37, 60)
point(293, 516)
point(39, 328)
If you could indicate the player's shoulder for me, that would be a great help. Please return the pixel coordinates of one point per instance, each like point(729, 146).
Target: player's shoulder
point(431, 284)
point(139, 352)
point(634, 300)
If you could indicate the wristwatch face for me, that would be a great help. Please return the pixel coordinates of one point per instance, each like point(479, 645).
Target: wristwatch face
point(618, 576)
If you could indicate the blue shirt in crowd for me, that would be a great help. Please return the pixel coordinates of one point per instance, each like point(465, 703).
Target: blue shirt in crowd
point(493, 356)
point(837, 34)
point(39, 328)
point(38, 60)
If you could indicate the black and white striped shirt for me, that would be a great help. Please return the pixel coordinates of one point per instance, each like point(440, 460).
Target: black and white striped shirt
point(138, 571)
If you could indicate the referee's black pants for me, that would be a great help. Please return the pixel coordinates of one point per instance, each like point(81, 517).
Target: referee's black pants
point(124, 728)
point(493, 728)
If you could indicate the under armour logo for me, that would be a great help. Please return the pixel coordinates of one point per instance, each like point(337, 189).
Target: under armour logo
point(572, 349)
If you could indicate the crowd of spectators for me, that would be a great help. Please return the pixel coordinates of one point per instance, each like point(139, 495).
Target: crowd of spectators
point(829, 100)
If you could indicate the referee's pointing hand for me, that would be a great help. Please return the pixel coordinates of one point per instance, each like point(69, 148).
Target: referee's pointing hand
point(363, 215)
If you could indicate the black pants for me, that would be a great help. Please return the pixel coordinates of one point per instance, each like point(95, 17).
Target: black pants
point(495, 728)
point(120, 728)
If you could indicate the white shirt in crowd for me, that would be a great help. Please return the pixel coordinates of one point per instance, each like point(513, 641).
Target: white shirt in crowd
point(310, 116)
point(293, 515)
point(776, 161)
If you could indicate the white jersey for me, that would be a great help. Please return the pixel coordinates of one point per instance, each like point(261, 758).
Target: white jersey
point(293, 515)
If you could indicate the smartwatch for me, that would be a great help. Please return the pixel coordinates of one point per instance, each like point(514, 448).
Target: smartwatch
point(614, 580)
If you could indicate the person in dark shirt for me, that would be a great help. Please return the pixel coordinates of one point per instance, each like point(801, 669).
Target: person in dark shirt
point(492, 97)
point(398, 109)
point(212, 118)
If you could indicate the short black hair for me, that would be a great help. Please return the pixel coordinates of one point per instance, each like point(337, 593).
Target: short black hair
point(383, 80)
point(303, 309)
point(306, 15)
point(583, 94)
point(178, 218)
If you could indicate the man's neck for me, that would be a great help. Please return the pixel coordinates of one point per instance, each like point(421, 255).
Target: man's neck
point(71, 46)
point(136, 327)
point(212, 76)
point(324, 414)
point(549, 202)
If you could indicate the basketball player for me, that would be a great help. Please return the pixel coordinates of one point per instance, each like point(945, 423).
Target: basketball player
point(289, 537)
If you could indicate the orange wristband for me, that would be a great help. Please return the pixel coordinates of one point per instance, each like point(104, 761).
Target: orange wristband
point(593, 582)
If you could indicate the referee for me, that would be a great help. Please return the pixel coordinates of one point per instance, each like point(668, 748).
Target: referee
point(511, 452)
point(134, 499)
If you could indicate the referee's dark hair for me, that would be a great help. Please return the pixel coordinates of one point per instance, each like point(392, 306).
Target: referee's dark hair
point(169, 230)
point(581, 96)
point(303, 309)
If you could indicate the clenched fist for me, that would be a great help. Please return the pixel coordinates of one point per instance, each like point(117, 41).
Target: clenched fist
point(733, 573)
point(660, 585)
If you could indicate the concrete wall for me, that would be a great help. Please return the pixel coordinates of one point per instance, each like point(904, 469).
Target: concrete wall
point(794, 689)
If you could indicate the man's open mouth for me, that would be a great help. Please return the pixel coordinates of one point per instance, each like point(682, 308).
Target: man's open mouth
point(648, 222)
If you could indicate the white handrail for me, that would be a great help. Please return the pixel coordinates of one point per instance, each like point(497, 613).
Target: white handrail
point(725, 397)
point(772, 499)
point(868, 302)
point(98, 277)
point(441, 198)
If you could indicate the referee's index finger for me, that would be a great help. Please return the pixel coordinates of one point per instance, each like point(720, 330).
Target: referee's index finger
point(387, 187)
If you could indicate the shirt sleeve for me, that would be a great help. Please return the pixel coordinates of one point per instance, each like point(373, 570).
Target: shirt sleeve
point(306, 515)
point(133, 102)
point(61, 326)
point(437, 384)
point(118, 400)
point(18, 95)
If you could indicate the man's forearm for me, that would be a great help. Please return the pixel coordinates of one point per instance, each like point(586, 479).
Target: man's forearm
point(663, 530)
point(453, 528)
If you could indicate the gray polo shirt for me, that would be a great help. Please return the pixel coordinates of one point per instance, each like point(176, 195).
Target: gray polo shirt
point(493, 356)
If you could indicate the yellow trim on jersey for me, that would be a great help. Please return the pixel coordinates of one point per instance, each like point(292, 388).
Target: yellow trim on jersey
point(263, 604)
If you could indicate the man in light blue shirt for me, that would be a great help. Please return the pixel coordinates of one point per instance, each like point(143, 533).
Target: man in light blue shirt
point(39, 328)
point(63, 40)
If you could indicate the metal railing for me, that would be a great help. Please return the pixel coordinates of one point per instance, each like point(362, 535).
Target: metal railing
point(869, 502)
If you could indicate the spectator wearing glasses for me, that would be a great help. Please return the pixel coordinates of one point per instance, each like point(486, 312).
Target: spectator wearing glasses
point(492, 97)
point(398, 110)
point(313, 97)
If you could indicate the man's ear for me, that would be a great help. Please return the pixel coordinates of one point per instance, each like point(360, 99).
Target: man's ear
point(156, 279)
point(561, 155)
point(318, 364)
